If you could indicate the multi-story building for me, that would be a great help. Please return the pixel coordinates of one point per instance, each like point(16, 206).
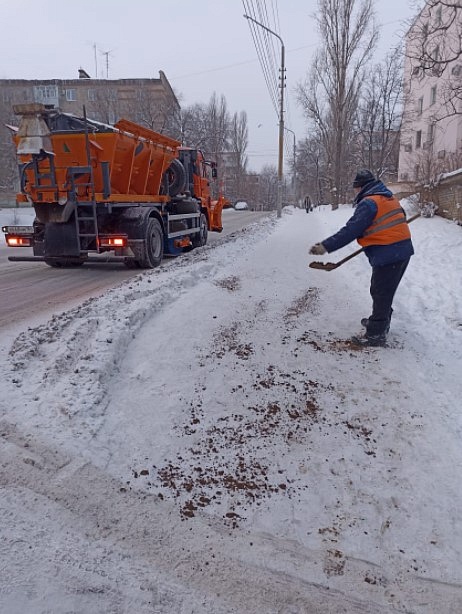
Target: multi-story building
point(149, 102)
point(431, 133)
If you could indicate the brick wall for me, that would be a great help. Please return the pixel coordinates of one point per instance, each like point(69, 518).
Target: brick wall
point(448, 196)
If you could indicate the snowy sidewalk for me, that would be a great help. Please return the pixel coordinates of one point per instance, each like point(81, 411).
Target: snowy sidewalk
point(203, 440)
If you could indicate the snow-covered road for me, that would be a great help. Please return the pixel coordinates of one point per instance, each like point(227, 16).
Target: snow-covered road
point(31, 291)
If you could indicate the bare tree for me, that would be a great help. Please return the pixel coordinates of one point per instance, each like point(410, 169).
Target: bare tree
point(379, 117)
point(437, 35)
point(435, 49)
point(218, 126)
point(329, 97)
point(311, 167)
point(269, 187)
point(237, 145)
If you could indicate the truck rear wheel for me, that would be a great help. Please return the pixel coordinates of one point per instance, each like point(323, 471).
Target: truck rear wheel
point(153, 245)
point(64, 263)
point(200, 238)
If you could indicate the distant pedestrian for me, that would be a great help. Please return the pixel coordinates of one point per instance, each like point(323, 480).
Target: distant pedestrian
point(308, 204)
point(379, 225)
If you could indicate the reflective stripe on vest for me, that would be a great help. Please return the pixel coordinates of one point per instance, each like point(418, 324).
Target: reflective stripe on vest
point(389, 225)
point(377, 224)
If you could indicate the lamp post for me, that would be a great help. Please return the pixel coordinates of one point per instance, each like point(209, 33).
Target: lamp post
point(281, 114)
point(295, 161)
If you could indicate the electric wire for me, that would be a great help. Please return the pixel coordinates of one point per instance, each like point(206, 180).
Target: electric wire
point(262, 43)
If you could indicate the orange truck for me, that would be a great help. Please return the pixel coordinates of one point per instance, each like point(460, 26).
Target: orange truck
point(123, 190)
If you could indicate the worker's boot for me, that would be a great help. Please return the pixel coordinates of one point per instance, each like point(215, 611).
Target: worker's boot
point(369, 340)
point(365, 322)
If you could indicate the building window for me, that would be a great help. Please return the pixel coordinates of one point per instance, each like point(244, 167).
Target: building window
point(420, 106)
point(438, 17)
point(46, 94)
point(431, 132)
point(433, 95)
point(418, 139)
point(71, 95)
point(91, 94)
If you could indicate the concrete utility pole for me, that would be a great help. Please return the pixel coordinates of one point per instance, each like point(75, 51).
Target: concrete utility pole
point(281, 114)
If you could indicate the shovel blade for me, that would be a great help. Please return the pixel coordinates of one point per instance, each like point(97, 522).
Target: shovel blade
point(323, 266)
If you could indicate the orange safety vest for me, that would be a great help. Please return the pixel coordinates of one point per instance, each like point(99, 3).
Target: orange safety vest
point(389, 225)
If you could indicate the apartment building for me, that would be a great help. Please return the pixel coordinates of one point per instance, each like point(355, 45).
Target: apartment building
point(149, 102)
point(431, 133)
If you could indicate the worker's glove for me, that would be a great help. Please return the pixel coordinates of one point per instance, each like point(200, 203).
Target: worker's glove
point(318, 249)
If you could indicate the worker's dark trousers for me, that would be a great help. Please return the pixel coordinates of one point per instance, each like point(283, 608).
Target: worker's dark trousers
point(384, 283)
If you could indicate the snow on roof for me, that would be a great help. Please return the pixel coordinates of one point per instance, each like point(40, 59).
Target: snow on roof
point(451, 174)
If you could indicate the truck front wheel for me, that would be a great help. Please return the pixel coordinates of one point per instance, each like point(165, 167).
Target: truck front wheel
point(153, 245)
point(200, 238)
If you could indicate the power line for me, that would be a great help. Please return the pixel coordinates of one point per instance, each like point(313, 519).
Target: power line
point(263, 45)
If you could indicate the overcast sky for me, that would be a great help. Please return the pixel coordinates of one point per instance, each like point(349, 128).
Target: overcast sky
point(203, 47)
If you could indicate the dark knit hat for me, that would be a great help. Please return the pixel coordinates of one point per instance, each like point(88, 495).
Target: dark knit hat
point(362, 178)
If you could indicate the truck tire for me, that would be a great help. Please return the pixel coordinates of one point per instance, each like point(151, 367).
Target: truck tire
point(64, 263)
point(200, 238)
point(176, 178)
point(186, 206)
point(131, 263)
point(153, 245)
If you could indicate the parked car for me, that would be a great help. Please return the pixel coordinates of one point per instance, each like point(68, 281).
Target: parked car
point(241, 205)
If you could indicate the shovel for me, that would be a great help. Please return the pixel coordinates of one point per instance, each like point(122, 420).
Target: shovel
point(330, 266)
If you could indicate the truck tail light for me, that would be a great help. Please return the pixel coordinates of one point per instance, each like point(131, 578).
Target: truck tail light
point(13, 241)
point(113, 241)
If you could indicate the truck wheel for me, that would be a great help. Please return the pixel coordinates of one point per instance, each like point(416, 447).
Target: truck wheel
point(153, 245)
point(200, 238)
point(131, 263)
point(65, 263)
point(185, 206)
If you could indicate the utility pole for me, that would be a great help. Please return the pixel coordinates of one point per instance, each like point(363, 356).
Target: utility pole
point(281, 113)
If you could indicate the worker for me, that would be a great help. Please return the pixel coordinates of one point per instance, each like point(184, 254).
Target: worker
point(380, 227)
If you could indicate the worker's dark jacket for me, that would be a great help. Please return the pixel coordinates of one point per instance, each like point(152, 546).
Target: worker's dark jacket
point(362, 221)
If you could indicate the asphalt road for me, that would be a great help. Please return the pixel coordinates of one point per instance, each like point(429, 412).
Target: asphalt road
point(31, 290)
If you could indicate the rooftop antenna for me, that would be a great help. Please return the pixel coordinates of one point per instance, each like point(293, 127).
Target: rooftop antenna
point(96, 61)
point(107, 54)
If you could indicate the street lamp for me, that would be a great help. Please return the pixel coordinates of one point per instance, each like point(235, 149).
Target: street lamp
point(281, 114)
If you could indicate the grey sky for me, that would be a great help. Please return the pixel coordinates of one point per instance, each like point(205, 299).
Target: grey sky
point(203, 47)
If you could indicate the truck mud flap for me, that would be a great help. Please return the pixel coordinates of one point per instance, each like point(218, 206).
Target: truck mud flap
point(61, 240)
